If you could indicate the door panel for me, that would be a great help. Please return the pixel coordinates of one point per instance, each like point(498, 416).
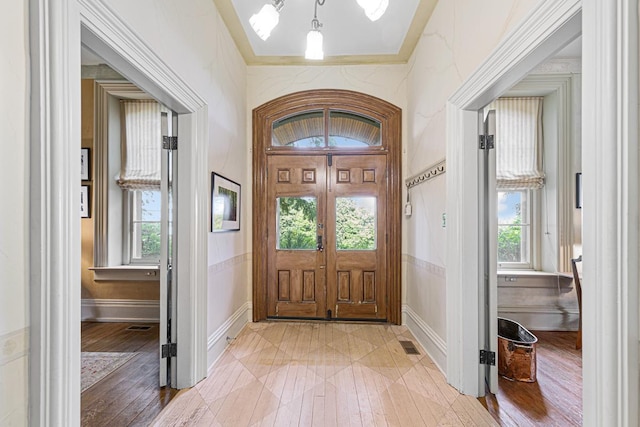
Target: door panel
point(356, 237)
point(296, 260)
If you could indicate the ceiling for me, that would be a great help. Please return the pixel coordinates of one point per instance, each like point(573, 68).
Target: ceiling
point(349, 36)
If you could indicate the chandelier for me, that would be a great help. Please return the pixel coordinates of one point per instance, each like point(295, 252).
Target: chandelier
point(267, 19)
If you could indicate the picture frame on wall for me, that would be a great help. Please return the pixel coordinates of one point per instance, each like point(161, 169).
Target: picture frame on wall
point(85, 205)
point(85, 164)
point(225, 204)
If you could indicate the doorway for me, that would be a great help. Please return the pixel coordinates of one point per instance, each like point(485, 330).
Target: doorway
point(327, 177)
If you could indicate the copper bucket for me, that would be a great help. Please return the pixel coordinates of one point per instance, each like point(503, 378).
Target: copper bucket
point(516, 351)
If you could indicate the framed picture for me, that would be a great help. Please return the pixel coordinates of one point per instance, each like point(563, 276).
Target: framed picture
point(85, 164)
point(85, 206)
point(225, 204)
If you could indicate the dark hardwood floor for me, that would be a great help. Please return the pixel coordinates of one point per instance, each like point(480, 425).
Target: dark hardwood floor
point(129, 396)
point(555, 399)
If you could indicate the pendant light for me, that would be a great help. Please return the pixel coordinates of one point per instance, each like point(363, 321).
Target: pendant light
point(374, 9)
point(314, 37)
point(266, 20)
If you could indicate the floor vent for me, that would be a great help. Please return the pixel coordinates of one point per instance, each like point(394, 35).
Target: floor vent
point(138, 328)
point(409, 347)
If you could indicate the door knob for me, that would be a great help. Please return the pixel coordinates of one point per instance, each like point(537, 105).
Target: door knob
point(319, 244)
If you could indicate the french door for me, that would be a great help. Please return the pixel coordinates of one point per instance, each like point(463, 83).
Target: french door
point(327, 236)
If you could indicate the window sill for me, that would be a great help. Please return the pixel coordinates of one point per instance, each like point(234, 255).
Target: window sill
point(138, 273)
point(533, 279)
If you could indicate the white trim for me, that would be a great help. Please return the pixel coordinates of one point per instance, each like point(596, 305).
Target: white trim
point(610, 213)
point(548, 28)
point(57, 29)
point(54, 291)
point(120, 310)
point(217, 341)
point(432, 343)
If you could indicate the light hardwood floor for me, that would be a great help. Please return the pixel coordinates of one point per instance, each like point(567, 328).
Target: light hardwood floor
point(323, 374)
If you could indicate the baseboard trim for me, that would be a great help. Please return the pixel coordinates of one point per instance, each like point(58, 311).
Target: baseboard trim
point(435, 346)
point(217, 341)
point(120, 310)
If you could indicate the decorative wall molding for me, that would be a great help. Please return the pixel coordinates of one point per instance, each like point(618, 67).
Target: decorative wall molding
point(14, 345)
point(425, 265)
point(120, 310)
point(434, 345)
point(217, 341)
point(427, 174)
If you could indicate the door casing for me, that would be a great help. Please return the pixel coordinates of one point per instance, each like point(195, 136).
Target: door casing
point(390, 118)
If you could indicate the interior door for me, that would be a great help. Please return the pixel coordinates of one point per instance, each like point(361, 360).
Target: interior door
point(168, 251)
point(488, 321)
point(356, 236)
point(296, 236)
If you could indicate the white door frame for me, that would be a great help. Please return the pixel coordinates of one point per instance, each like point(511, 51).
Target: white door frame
point(57, 29)
point(610, 161)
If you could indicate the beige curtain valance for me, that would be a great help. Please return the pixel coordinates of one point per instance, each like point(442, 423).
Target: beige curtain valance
point(519, 143)
point(141, 145)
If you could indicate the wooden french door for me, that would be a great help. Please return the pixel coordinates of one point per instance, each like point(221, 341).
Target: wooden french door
point(327, 236)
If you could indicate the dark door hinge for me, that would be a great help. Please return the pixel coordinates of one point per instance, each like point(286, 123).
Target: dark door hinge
point(169, 350)
point(170, 142)
point(487, 357)
point(487, 142)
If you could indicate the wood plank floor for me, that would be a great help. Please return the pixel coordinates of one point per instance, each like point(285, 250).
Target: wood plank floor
point(555, 399)
point(129, 396)
point(323, 374)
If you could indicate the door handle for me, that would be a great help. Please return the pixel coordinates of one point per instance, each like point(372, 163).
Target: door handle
point(319, 244)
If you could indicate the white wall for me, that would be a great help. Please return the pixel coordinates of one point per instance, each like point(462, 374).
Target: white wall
point(14, 218)
point(192, 39)
point(459, 35)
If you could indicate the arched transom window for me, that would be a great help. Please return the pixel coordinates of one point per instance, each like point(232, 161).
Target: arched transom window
point(326, 128)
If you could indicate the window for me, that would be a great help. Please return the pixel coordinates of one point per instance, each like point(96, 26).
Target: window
point(142, 227)
point(356, 223)
point(515, 236)
point(296, 223)
point(308, 130)
point(140, 182)
point(519, 174)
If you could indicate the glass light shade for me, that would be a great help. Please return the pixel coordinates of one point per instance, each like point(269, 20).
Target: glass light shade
point(374, 9)
point(314, 45)
point(265, 21)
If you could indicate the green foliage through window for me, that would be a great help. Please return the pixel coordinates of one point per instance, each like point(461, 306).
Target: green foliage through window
point(297, 222)
point(356, 223)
